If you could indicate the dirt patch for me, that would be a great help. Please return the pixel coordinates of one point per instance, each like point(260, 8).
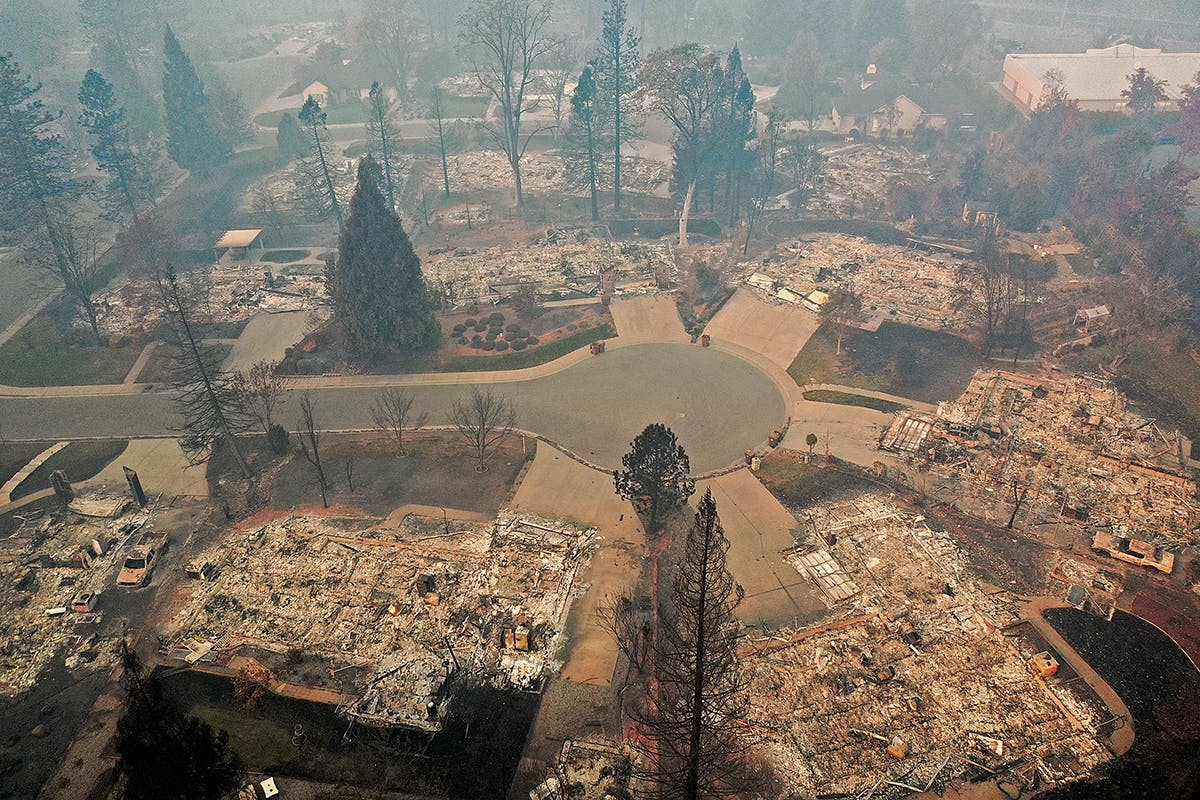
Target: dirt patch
point(437, 471)
point(897, 359)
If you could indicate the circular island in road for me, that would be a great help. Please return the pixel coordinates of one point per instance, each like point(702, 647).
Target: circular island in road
point(717, 404)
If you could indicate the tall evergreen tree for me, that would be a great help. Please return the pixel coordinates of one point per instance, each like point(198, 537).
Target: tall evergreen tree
point(196, 140)
point(383, 138)
point(692, 716)
point(314, 169)
point(35, 180)
point(208, 399)
point(735, 130)
point(128, 188)
point(379, 299)
point(656, 472)
point(290, 138)
point(165, 752)
point(583, 103)
point(617, 64)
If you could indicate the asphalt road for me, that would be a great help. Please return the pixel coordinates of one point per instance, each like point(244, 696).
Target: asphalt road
point(717, 404)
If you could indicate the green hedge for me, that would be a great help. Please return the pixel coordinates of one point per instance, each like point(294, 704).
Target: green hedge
point(530, 358)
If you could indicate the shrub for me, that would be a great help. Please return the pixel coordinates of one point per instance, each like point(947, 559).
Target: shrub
point(478, 344)
point(489, 345)
point(496, 317)
point(571, 326)
point(491, 336)
point(519, 344)
point(471, 322)
point(277, 439)
point(531, 341)
point(481, 327)
point(477, 338)
point(459, 329)
point(512, 327)
point(501, 346)
point(496, 329)
point(473, 309)
point(462, 340)
point(523, 333)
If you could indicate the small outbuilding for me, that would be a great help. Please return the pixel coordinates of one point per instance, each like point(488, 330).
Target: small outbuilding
point(240, 246)
point(1088, 319)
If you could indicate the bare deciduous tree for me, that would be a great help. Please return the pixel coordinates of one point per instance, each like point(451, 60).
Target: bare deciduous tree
point(262, 389)
point(684, 85)
point(842, 310)
point(484, 420)
point(508, 40)
point(393, 415)
point(73, 261)
point(310, 444)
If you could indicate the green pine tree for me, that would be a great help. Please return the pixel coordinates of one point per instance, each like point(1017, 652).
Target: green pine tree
point(128, 189)
point(379, 298)
point(195, 138)
point(34, 172)
point(290, 139)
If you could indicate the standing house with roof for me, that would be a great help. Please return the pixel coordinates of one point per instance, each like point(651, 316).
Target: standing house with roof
point(1095, 78)
point(884, 105)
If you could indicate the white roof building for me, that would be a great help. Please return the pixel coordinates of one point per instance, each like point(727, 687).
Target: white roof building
point(1097, 77)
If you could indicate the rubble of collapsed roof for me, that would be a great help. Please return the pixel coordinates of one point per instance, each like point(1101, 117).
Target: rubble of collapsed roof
point(1072, 446)
point(917, 681)
point(288, 189)
point(571, 262)
point(540, 172)
point(859, 177)
point(51, 570)
point(407, 607)
point(586, 770)
point(225, 293)
point(901, 283)
point(1088, 587)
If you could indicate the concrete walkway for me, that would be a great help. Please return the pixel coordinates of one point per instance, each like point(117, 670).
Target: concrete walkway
point(24, 472)
point(161, 466)
point(139, 365)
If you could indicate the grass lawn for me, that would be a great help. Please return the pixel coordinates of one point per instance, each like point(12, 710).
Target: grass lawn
point(898, 359)
point(848, 399)
point(210, 207)
point(342, 114)
point(439, 470)
point(455, 106)
point(799, 485)
point(1081, 263)
point(14, 455)
point(79, 460)
point(41, 355)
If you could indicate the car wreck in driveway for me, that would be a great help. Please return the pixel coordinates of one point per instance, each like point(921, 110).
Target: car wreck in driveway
point(139, 562)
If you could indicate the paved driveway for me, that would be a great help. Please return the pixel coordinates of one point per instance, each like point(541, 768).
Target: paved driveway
point(648, 318)
point(775, 331)
point(265, 337)
point(557, 486)
point(759, 529)
point(719, 405)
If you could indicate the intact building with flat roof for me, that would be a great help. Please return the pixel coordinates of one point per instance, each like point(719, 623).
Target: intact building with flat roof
point(1095, 78)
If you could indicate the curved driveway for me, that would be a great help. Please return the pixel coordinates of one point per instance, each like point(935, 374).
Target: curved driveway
point(718, 404)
